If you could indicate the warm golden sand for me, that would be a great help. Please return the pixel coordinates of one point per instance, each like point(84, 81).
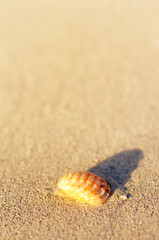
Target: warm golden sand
point(79, 91)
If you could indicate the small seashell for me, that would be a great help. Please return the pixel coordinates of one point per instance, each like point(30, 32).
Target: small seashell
point(85, 187)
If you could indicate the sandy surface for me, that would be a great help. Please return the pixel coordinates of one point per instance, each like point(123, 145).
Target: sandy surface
point(79, 90)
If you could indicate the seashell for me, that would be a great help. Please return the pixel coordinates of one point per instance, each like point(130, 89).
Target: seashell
point(85, 187)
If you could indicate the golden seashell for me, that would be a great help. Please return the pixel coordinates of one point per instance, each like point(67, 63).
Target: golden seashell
point(85, 187)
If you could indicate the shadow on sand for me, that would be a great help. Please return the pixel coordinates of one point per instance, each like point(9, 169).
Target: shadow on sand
point(118, 167)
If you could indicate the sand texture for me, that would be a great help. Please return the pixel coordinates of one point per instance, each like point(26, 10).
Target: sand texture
point(79, 91)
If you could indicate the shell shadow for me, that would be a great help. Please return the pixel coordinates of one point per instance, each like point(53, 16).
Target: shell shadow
point(118, 167)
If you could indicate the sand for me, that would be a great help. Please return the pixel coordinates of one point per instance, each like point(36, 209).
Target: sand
point(79, 90)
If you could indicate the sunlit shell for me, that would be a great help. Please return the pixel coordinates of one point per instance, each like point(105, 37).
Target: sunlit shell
point(85, 187)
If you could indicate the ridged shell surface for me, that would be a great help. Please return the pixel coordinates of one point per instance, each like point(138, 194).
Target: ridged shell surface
point(85, 187)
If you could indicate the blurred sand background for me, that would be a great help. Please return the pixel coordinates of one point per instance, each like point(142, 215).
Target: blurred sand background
point(79, 90)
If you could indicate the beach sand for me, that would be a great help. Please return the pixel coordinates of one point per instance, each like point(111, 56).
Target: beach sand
point(79, 91)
